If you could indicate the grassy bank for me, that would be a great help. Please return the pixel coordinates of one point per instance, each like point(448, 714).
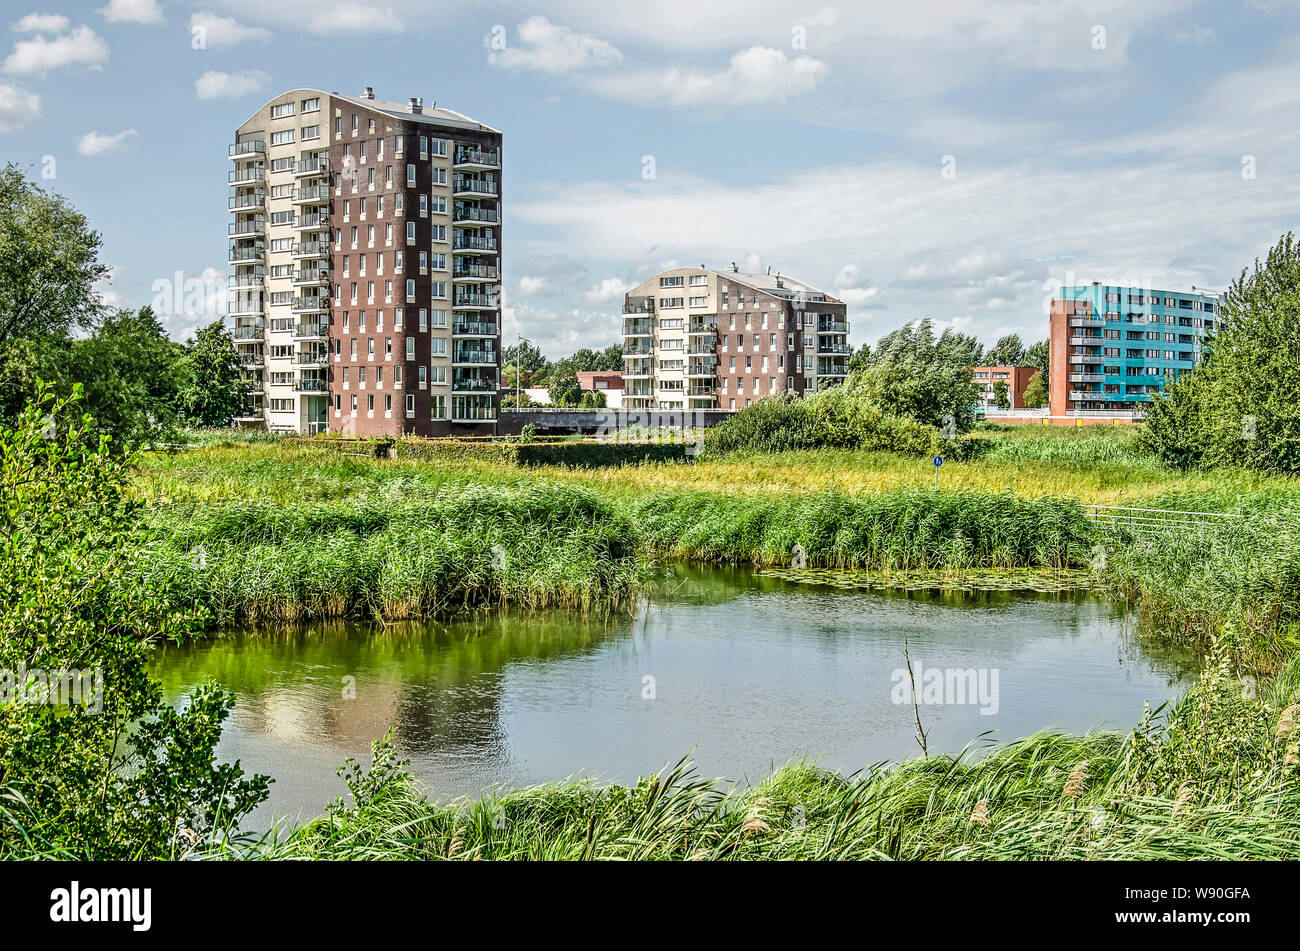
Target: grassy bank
point(1214, 778)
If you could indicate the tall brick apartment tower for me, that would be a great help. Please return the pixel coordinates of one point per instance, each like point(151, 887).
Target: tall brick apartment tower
point(700, 339)
point(366, 250)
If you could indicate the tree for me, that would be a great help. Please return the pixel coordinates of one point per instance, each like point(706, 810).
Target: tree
point(1038, 356)
point(1007, 352)
point(1035, 396)
point(912, 374)
point(960, 347)
point(129, 375)
point(111, 771)
point(48, 263)
point(1241, 405)
point(565, 390)
point(1001, 394)
point(212, 392)
point(527, 355)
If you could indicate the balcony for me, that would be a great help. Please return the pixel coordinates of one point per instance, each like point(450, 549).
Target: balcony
point(706, 345)
point(250, 360)
point(638, 327)
point(473, 243)
point(832, 369)
point(1087, 378)
point(468, 157)
point(253, 201)
point(254, 148)
point(474, 272)
point(702, 325)
point(1085, 394)
point(311, 249)
point(254, 227)
point(473, 357)
point(470, 186)
point(312, 330)
point(316, 357)
point(1087, 322)
point(248, 253)
point(474, 301)
point(312, 223)
point(1086, 341)
point(311, 195)
point(474, 328)
point(639, 305)
point(842, 349)
point(638, 350)
point(306, 277)
point(701, 367)
point(832, 326)
point(641, 370)
point(249, 332)
point(310, 305)
point(310, 385)
point(249, 279)
point(246, 305)
point(702, 389)
point(311, 166)
point(474, 215)
point(474, 382)
point(246, 176)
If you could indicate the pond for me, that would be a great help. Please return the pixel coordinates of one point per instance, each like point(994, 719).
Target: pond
point(742, 671)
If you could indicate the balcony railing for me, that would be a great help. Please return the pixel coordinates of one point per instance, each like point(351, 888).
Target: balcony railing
point(248, 149)
point(309, 222)
point(314, 193)
point(474, 356)
point(240, 176)
point(476, 272)
point(467, 383)
point(315, 275)
point(302, 331)
point(311, 303)
point(473, 242)
point(251, 252)
point(832, 326)
point(638, 327)
point(312, 166)
point(240, 229)
point(311, 386)
point(637, 350)
point(481, 328)
point(702, 325)
point(311, 249)
point(486, 301)
point(639, 305)
point(474, 156)
point(838, 348)
point(253, 332)
point(462, 184)
point(255, 200)
point(461, 213)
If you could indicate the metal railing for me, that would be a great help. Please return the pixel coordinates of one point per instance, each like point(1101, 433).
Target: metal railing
point(1145, 521)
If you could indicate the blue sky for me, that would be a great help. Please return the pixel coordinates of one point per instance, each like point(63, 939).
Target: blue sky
point(943, 158)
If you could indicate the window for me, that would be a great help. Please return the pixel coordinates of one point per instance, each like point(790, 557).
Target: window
point(282, 110)
point(410, 174)
point(311, 105)
point(672, 281)
point(310, 132)
point(410, 404)
point(410, 348)
point(699, 279)
point(670, 302)
point(283, 137)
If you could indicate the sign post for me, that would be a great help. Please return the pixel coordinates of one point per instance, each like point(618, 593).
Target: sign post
point(938, 461)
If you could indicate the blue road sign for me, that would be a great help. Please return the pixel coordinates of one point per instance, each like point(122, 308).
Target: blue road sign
point(938, 461)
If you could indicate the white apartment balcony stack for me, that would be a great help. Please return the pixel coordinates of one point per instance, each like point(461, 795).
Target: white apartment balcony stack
point(364, 247)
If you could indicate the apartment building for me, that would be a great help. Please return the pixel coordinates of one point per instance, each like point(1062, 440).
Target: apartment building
point(366, 253)
point(1123, 345)
point(1016, 379)
point(695, 338)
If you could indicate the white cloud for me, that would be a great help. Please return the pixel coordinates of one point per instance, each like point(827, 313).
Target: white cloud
point(1195, 35)
point(220, 32)
point(758, 74)
point(97, 143)
point(217, 85)
point(132, 11)
point(532, 285)
point(607, 291)
point(554, 49)
point(41, 23)
point(18, 107)
point(37, 56)
point(354, 18)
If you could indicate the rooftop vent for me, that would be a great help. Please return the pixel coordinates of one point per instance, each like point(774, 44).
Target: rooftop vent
point(734, 268)
point(415, 106)
point(368, 92)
